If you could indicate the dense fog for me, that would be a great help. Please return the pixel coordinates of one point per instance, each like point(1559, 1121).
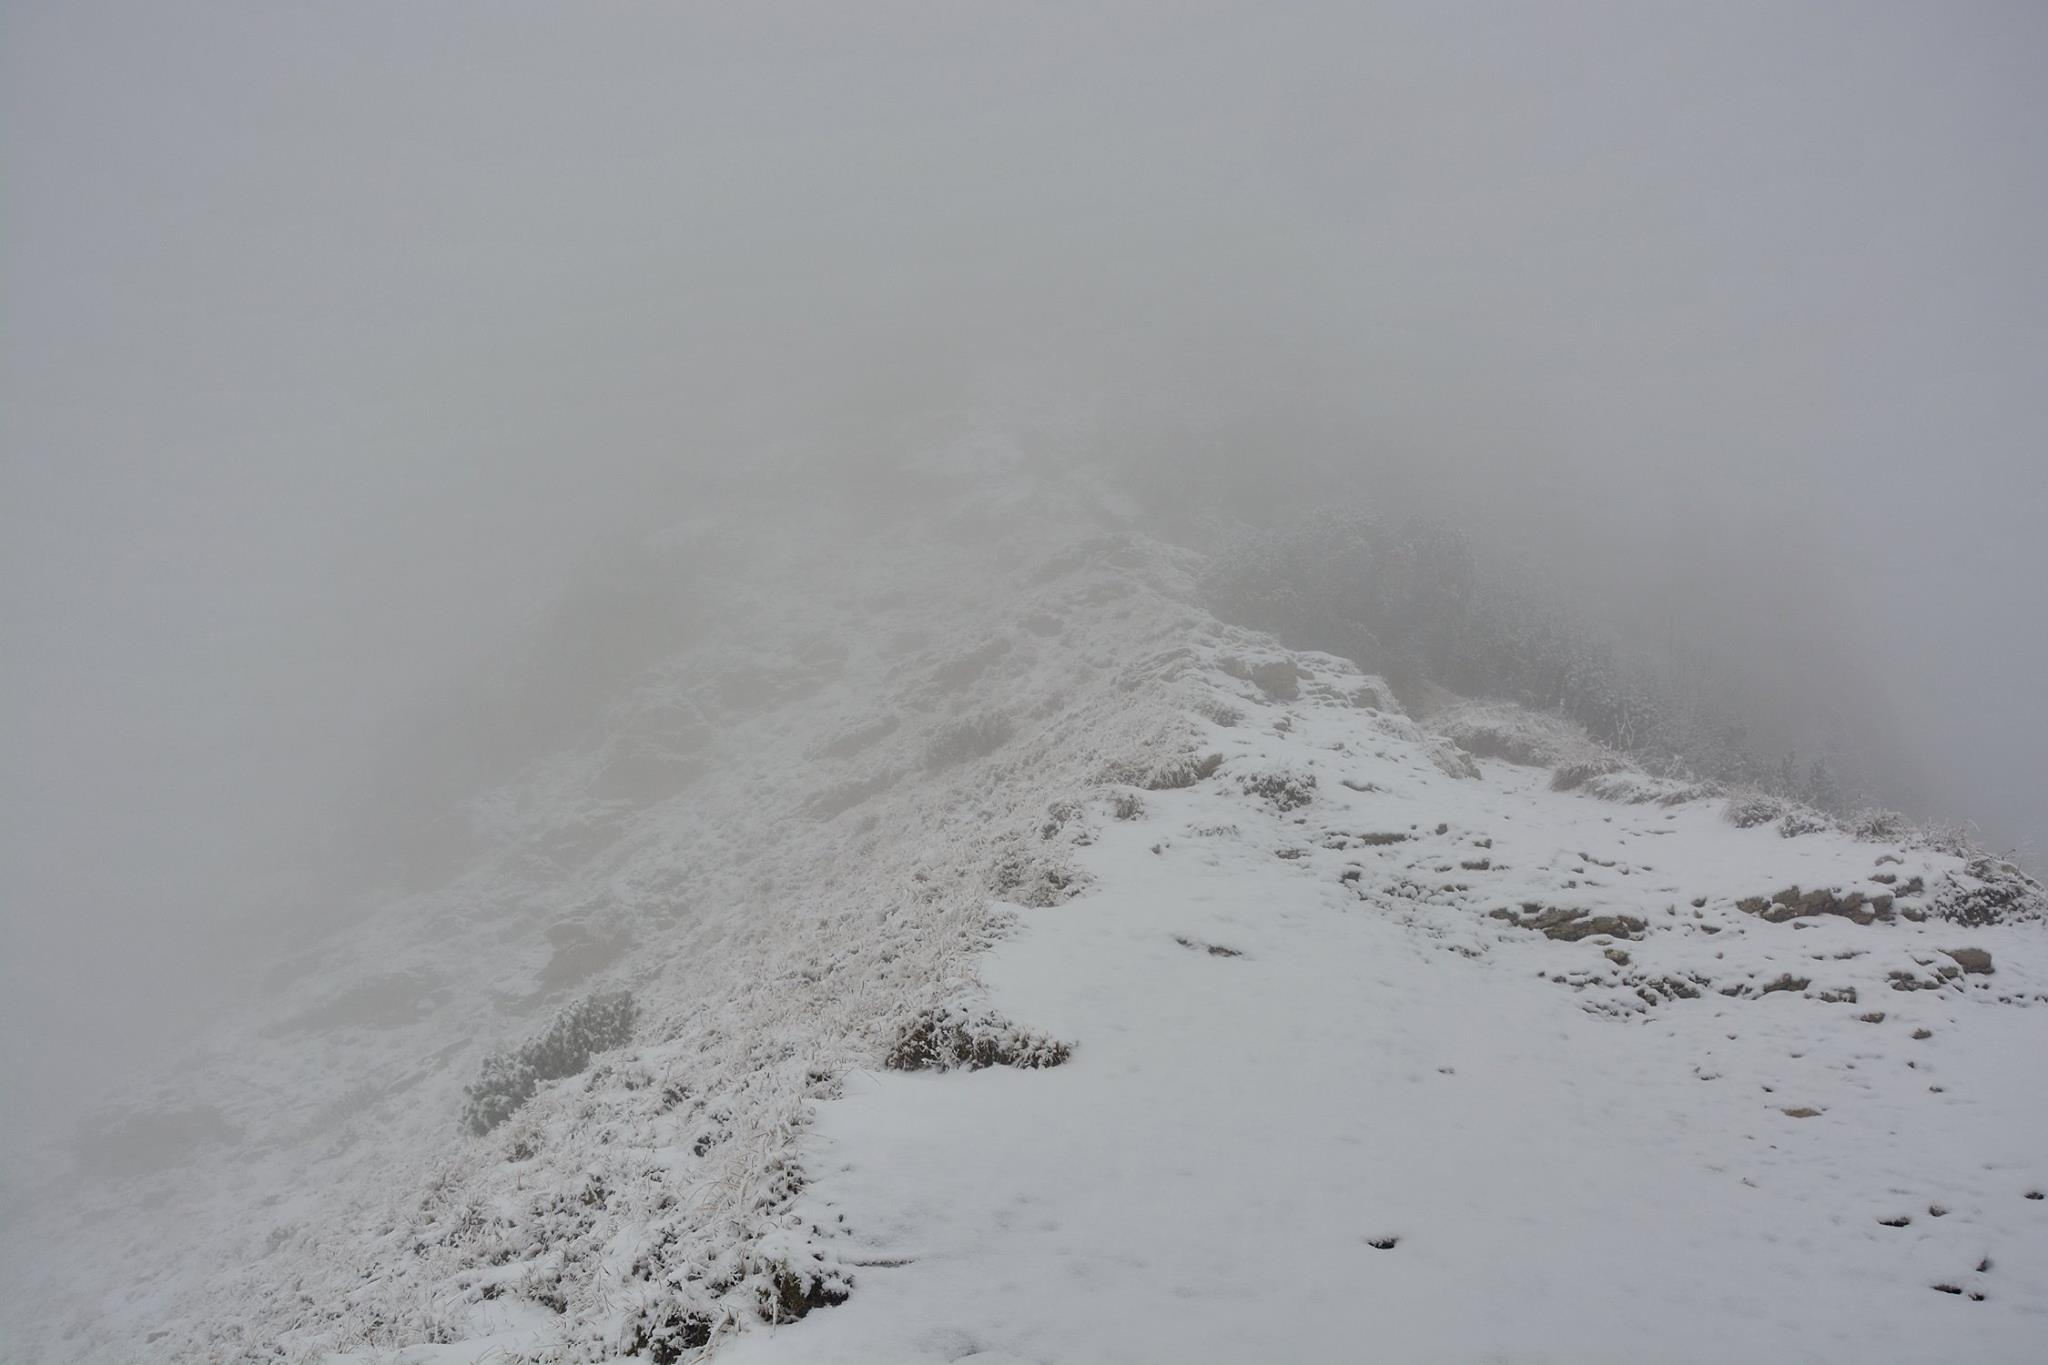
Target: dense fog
point(336, 339)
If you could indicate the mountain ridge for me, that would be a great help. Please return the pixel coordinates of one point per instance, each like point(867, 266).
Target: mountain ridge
point(845, 813)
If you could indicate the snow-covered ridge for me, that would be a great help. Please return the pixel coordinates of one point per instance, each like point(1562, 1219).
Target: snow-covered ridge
point(1381, 1054)
point(1004, 773)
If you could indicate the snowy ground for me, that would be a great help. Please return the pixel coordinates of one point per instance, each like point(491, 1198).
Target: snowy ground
point(1373, 1127)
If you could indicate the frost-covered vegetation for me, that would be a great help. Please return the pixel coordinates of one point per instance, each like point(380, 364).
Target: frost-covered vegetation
point(509, 1077)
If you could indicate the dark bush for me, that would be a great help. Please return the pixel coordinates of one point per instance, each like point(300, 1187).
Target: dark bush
point(948, 1038)
point(595, 1024)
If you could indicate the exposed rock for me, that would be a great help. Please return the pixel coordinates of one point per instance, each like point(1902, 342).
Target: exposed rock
point(1973, 960)
point(1650, 992)
point(1570, 925)
point(1793, 903)
point(1212, 949)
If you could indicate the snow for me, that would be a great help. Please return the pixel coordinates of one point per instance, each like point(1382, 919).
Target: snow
point(1346, 1142)
point(1311, 998)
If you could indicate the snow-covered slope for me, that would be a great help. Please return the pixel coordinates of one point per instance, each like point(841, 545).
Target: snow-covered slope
point(1346, 1042)
point(1335, 1096)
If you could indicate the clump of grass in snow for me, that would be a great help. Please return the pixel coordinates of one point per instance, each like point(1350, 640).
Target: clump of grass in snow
point(948, 1038)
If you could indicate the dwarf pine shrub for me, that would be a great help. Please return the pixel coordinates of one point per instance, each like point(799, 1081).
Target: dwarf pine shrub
point(594, 1024)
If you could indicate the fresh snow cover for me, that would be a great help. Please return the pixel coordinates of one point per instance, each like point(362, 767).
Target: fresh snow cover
point(1378, 1049)
point(1312, 1119)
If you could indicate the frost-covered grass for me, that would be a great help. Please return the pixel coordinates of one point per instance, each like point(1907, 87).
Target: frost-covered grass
point(510, 1076)
point(775, 947)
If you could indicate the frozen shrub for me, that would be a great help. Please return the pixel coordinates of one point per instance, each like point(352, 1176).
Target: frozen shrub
point(595, 1024)
point(1058, 816)
point(1800, 820)
point(1747, 810)
point(1025, 879)
point(1182, 772)
point(948, 1038)
point(1881, 826)
point(505, 1083)
point(1991, 891)
point(1953, 840)
point(664, 1337)
point(792, 1292)
point(1287, 791)
point(1496, 730)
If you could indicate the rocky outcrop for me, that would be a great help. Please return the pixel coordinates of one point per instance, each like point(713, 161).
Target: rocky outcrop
point(1793, 903)
point(1569, 925)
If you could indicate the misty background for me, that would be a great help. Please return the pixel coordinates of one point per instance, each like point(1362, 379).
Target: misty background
point(333, 339)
